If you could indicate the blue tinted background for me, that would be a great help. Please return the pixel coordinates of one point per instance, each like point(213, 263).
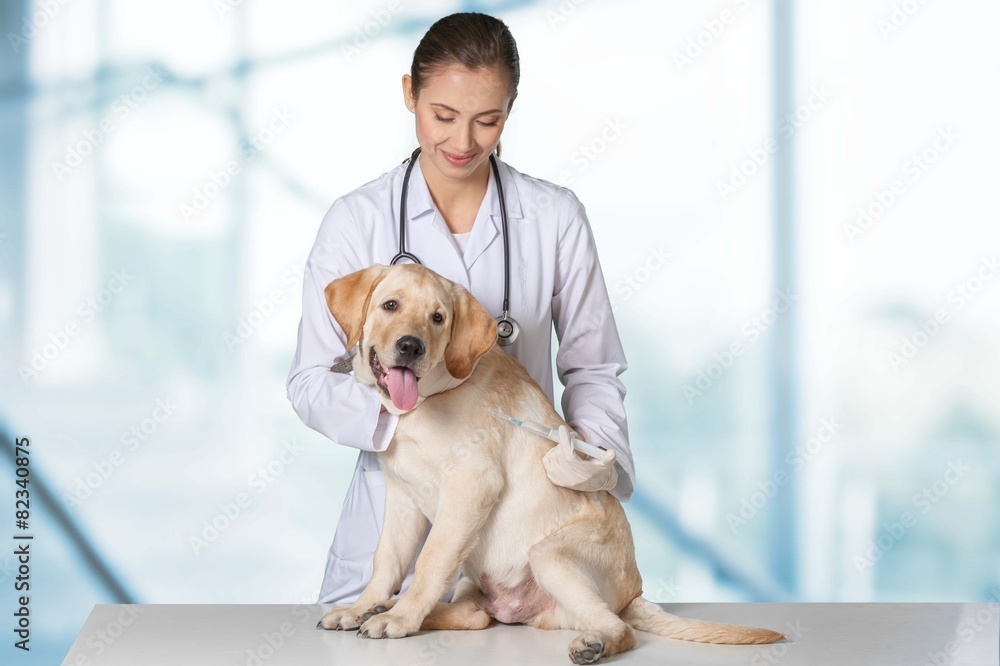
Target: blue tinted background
point(795, 212)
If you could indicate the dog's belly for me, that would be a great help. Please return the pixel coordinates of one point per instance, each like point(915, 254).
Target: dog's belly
point(512, 605)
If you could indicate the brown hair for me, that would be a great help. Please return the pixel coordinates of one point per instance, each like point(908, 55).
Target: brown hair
point(470, 39)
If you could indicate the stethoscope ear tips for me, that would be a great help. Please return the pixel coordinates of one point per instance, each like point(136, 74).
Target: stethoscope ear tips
point(507, 330)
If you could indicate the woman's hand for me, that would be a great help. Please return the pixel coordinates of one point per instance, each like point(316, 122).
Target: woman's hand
point(565, 467)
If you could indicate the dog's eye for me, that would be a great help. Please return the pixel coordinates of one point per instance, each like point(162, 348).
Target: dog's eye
point(437, 317)
point(389, 305)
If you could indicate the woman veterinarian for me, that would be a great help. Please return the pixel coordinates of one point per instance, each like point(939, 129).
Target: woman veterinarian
point(461, 88)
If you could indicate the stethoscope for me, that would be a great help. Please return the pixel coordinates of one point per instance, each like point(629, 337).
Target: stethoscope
point(507, 328)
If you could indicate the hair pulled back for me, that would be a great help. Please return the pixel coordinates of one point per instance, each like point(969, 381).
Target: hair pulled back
point(473, 40)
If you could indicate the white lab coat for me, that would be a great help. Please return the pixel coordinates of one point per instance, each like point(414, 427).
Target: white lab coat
point(555, 279)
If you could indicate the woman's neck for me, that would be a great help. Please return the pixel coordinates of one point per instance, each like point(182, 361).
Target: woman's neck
point(450, 194)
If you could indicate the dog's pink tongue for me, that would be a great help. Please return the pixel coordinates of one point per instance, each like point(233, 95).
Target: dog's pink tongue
point(402, 387)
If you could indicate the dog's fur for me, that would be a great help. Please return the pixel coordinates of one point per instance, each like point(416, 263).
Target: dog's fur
point(531, 552)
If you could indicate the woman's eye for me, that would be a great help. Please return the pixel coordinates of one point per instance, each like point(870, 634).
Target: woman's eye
point(484, 124)
point(389, 305)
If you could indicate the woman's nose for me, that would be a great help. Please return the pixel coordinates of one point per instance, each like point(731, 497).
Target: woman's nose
point(464, 139)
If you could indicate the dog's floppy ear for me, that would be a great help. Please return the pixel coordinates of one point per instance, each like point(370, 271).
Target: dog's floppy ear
point(473, 333)
point(348, 297)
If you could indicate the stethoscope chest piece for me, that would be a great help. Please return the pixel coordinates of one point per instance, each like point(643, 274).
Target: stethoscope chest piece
point(507, 330)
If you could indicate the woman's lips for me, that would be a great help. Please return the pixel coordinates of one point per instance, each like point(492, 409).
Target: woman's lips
point(456, 160)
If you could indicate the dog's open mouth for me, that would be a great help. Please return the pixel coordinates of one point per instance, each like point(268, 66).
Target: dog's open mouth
point(398, 382)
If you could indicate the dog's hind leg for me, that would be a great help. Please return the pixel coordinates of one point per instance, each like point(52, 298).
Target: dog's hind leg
point(466, 610)
point(563, 566)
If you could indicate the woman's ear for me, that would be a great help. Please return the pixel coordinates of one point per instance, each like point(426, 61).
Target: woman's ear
point(408, 93)
point(473, 333)
point(348, 297)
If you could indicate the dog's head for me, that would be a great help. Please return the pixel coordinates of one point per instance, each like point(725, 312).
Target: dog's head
point(419, 333)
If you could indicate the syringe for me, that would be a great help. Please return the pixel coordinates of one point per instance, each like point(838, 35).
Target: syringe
point(553, 434)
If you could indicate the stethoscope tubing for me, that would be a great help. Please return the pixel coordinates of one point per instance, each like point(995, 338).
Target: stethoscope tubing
point(507, 326)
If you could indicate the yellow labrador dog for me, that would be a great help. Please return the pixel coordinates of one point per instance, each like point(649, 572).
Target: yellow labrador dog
point(531, 552)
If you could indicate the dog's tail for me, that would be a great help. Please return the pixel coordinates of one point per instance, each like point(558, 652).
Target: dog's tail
point(647, 616)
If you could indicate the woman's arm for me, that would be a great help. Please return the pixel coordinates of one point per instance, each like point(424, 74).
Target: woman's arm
point(334, 404)
point(590, 357)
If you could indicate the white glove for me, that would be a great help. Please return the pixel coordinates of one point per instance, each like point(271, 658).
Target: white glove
point(566, 468)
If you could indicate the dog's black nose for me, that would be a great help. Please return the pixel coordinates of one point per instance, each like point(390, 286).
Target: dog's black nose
point(409, 349)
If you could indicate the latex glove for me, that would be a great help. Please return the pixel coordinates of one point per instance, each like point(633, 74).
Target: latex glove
point(566, 468)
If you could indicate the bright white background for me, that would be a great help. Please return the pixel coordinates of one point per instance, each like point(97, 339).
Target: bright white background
point(118, 115)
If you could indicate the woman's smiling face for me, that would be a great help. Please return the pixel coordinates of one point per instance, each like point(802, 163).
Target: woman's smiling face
point(460, 115)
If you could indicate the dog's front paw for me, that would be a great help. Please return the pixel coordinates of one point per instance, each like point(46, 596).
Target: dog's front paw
point(388, 625)
point(342, 617)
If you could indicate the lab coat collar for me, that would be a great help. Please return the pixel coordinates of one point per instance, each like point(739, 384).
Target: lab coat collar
point(420, 207)
point(420, 202)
